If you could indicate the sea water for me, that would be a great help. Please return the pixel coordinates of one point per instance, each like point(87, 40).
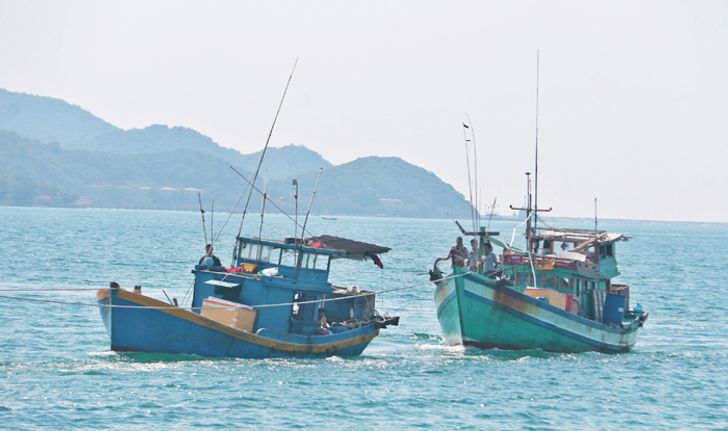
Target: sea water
point(56, 370)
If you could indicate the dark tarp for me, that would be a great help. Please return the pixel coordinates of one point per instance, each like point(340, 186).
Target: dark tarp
point(352, 249)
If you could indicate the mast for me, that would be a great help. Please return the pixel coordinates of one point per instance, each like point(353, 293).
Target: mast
point(535, 218)
point(470, 183)
point(475, 173)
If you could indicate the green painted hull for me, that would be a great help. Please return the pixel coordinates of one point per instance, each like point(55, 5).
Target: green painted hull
point(472, 310)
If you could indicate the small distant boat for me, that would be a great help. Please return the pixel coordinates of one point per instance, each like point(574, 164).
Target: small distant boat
point(268, 305)
point(328, 218)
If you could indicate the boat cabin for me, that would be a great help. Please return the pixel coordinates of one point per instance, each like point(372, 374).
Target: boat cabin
point(286, 283)
point(573, 268)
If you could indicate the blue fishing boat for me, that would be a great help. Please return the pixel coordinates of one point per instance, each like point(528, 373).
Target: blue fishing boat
point(275, 301)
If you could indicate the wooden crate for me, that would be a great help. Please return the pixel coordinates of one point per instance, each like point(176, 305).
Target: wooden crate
point(238, 316)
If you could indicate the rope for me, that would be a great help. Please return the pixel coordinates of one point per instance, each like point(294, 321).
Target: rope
point(282, 304)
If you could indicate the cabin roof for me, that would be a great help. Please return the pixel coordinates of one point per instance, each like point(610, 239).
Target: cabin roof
point(333, 246)
point(580, 236)
point(351, 249)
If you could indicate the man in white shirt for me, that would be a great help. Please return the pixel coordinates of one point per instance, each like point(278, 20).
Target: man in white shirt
point(490, 260)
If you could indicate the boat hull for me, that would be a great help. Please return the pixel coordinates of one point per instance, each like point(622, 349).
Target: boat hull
point(477, 312)
point(144, 324)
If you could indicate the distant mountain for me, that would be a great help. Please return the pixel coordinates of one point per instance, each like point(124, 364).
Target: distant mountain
point(47, 119)
point(54, 153)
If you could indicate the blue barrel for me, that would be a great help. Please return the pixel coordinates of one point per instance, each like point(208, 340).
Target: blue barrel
point(614, 309)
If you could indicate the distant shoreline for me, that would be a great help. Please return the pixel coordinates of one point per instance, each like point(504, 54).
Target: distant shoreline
point(463, 218)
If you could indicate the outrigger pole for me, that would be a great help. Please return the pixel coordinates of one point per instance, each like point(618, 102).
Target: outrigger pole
point(265, 148)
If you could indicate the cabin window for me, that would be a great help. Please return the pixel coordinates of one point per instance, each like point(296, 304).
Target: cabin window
point(550, 282)
point(264, 253)
point(602, 252)
point(250, 251)
point(322, 262)
point(287, 258)
point(609, 249)
point(578, 287)
point(564, 285)
point(296, 299)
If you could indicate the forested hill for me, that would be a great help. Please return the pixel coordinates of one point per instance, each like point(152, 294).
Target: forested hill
point(53, 153)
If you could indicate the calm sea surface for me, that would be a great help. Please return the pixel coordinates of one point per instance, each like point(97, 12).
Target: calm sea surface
point(56, 370)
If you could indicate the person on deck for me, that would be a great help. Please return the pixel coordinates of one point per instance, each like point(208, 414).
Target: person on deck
point(473, 261)
point(323, 328)
point(457, 254)
point(490, 260)
point(210, 260)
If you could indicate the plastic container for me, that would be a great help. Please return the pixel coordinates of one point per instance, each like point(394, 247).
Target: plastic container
point(614, 309)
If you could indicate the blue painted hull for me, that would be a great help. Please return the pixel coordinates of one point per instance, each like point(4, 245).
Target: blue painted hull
point(167, 329)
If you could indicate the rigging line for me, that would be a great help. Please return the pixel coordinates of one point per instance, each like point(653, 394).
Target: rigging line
point(282, 304)
point(475, 162)
point(513, 235)
point(269, 199)
point(310, 203)
point(267, 142)
point(50, 289)
point(235, 207)
point(470, 186)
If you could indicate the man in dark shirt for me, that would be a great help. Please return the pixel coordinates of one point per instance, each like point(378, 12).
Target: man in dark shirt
point(209, 260)
point(458, 254)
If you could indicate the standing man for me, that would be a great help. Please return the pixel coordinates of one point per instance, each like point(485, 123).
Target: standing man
point(473, 261)
point(490, 260)
point(457, 254)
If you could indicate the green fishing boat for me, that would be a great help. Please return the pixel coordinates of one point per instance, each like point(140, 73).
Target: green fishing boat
point(557, 295)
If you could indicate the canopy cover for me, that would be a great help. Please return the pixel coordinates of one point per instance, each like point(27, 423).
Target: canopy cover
point(352, 249)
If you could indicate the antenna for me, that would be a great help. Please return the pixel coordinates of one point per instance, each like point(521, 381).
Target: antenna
point(262, 214)
point(265, 148)
point(295, 198)
point(310, 203)
point(202, 214)
point(596, 224)
point(535, 218)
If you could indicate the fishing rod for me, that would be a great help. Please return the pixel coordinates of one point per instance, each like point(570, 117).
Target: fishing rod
point(202, 214)
point(470, 186)
point(265, 148)
point(269, 199)
point(212, 223)
point(310, 203)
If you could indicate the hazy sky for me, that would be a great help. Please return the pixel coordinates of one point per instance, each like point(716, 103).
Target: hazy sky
point(633, 94)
